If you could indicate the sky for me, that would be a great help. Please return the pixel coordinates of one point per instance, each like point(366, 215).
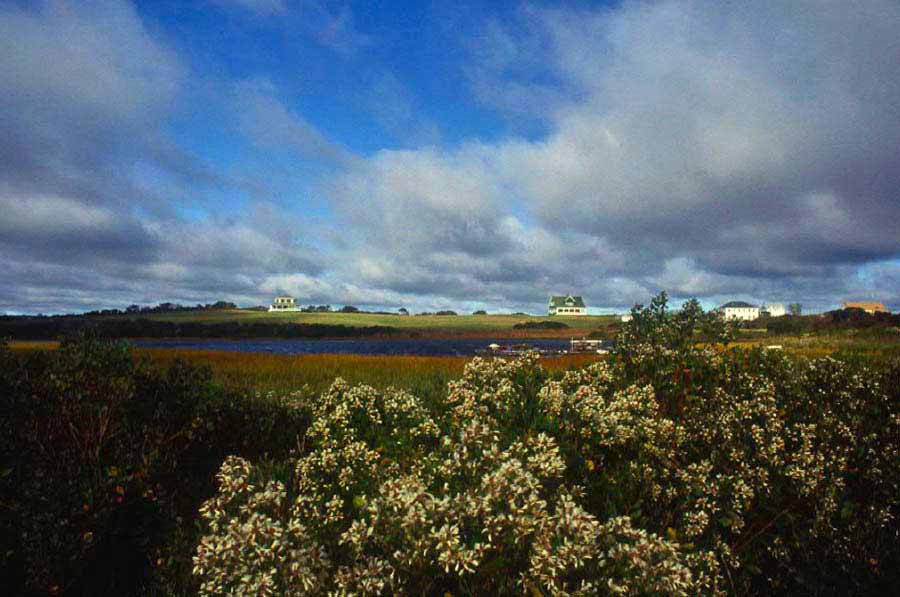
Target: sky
point(448, 155)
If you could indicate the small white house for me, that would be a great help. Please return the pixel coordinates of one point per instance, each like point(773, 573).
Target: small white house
point(626, 318)
point(284, 303)
point(774, 309)
point(566, 305)
point(739, 310)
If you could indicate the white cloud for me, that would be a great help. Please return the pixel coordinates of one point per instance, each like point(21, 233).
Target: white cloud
point(703, 146)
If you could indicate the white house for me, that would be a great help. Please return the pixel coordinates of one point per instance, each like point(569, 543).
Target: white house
point(774, 309)
point(566, 305)
point(739, 310)
point(626, 318)
point(284, 303)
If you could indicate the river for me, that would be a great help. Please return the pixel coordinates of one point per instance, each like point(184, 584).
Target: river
point(464, 347)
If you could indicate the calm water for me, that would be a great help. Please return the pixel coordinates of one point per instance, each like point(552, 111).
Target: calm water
point(421, 347)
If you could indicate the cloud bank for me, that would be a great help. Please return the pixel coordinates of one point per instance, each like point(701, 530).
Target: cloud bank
point(706, 148)
point(710, 150)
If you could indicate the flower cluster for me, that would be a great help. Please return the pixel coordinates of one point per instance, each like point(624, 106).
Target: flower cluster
point(664, 470)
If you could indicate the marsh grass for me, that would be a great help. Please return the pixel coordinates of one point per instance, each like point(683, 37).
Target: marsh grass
point(34, 345)
point(270, 372)
point(840, 345)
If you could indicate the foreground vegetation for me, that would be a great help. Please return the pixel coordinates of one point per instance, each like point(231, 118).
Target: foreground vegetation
point(671, 468)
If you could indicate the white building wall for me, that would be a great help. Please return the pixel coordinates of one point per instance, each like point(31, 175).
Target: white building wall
point(775, 309)
point(741, 313)
point(284, 304)
point(568, 311)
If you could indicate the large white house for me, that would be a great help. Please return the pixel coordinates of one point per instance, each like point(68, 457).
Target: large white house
point(774, 309)
point(566, 305)
point(739, 310)
point(284, 303)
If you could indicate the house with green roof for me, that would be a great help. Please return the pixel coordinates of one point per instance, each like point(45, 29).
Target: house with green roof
point(566, 305)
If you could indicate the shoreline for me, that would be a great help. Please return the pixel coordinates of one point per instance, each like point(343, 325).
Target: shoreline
point(567, 334)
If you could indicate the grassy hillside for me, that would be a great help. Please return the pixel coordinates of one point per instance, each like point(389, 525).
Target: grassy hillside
point(413, 322)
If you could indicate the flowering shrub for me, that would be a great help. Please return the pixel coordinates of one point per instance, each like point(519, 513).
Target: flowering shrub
point(668, 469)
point(471, 512)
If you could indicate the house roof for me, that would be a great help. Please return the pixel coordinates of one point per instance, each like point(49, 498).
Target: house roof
point(566, 301)
point(864, 305)
point(736, 305)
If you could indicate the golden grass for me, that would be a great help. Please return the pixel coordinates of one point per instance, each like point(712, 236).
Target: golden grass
point(265, 371)
point(34, 345)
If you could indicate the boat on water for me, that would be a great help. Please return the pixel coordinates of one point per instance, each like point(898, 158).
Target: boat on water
point(514, 350)
point(585, 345)
point(576, 346)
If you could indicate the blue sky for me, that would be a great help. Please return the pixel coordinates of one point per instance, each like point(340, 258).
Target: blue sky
point(441, 155)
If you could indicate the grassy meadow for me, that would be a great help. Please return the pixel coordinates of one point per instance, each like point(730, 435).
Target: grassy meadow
point(844, 344)
point(439, 323)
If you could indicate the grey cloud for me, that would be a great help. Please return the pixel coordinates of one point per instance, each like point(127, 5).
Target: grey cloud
point(415, 201)
point(724, 119)
point(88, 176)
point(190, 262)
point(68, 231)
point(755, 143)
point(262, 240)
point(711, 149)
point(84, 90)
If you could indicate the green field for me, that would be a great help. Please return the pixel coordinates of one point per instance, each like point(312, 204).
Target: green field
point(412, 322)
point(842, 344)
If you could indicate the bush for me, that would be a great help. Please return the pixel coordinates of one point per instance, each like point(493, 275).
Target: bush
point(668, 469)
point(53, 327)
point(105, 456)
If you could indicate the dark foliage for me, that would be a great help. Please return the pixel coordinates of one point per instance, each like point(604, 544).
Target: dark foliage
point(103, 459)
point(34, 328)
